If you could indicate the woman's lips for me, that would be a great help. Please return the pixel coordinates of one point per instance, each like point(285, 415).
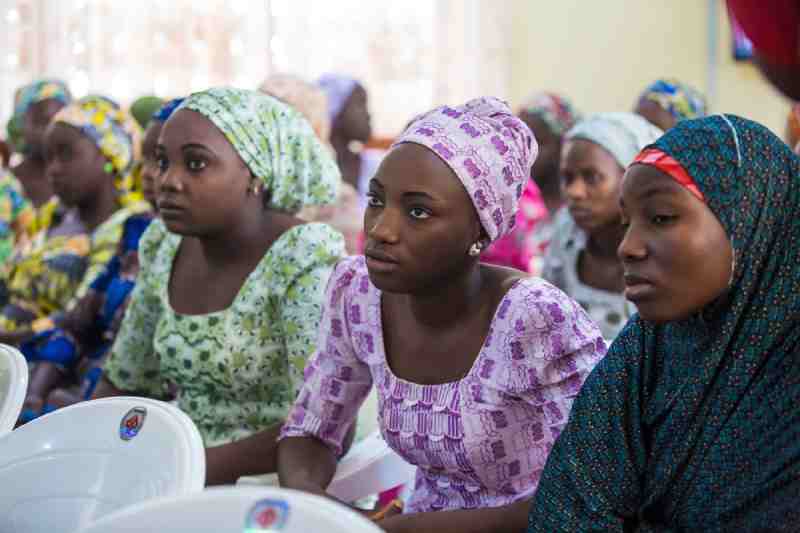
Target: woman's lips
point(580, 213)
point(169, 210)
point(638, 287)
point(380, 262)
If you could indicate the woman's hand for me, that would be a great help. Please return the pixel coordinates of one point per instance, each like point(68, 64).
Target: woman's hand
point(513, 517)
point(397, 523)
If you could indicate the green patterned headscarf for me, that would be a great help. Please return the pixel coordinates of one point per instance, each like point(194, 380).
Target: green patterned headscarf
point(275, 142)
point(694, 425)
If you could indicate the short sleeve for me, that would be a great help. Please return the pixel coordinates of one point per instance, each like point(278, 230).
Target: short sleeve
point(336, 380)
point(304, 262)
point(553, 346)
point(593, 478)
point(133, 365)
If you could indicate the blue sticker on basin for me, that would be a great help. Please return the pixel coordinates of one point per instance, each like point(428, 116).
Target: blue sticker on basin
point(132, 423)
point(267, 515)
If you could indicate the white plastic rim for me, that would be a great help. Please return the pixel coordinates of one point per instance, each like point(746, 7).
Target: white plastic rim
point(16, 369)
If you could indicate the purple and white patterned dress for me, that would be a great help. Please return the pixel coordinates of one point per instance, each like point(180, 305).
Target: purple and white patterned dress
point(478, 442)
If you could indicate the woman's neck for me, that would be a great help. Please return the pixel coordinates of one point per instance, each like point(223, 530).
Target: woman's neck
point(604, 242)
point(248, 238)
point(448, 301)
point(99, 209)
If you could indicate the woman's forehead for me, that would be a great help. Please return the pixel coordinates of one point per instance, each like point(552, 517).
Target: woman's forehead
point(190, 127)
point(580, 152)
point(414, 167)
point(643, 183)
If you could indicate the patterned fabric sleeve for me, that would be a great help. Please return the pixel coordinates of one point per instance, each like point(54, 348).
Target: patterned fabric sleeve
point(133, 365)
point(104, 246)
point(591, 482)
point(111, 270)
point(557, 346)
point(53, 281)
point(336, 381)
point(310, 255)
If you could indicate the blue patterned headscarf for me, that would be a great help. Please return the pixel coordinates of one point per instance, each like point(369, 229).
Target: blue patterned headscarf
point(681, 100)
point(166, 110)
point(694, 425)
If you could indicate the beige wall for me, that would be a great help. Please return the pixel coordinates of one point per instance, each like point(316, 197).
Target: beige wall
point(603, 53)
point(742, 90)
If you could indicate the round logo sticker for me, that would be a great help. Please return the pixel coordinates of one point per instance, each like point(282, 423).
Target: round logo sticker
point(267, 515)
point(132, 423)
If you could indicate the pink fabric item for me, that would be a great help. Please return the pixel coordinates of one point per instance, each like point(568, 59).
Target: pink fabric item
point(478, 442)
point(386, 497)
point(489, 149)
point(518, 249)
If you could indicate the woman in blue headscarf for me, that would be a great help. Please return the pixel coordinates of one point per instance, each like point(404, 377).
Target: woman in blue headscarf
point(667, 101)
point(690, 423)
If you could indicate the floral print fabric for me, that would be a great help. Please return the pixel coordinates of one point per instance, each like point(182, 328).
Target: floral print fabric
point(49, 272)
point(237, 371)
point(15, 214)
point(296, 168)
point(681, 100)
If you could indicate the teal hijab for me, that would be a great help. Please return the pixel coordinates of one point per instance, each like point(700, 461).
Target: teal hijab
point(695, 425)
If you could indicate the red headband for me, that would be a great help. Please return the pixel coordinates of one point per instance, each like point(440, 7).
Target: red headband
point(665, 163)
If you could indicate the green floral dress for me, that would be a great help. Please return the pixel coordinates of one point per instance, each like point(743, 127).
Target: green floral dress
point(237, 371)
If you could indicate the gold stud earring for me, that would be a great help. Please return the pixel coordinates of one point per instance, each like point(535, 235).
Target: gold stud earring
point(475, 250)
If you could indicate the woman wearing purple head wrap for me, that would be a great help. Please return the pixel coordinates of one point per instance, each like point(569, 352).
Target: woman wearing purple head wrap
point(475, 366)
point(350, 121)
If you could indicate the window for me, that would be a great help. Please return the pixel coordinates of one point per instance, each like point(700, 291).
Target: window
point(410, 55)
